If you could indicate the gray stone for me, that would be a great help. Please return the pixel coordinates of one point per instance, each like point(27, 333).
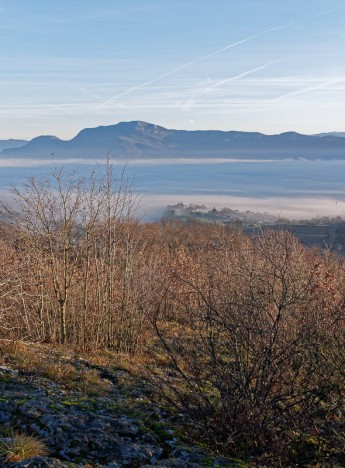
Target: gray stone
point(79, 429)
point(8, 370)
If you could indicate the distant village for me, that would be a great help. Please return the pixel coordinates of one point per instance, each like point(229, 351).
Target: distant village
point(201, 213)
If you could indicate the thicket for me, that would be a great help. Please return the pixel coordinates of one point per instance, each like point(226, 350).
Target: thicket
point(246, 334)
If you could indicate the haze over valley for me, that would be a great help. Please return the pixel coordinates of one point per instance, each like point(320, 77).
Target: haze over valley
point(288, 174)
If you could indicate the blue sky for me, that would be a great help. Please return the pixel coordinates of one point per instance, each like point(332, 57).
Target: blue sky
point(253, 65)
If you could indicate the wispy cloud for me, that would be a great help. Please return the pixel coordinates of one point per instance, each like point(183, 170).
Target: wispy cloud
point(82, 89)
point(327, 84)
point(209, 89)
point(188, 64)
point(326, 12)
point(108, 102)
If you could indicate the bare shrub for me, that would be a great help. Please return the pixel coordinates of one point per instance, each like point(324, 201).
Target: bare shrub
point(252, 358)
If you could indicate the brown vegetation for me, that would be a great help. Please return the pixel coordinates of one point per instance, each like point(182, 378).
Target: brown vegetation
point(19, 446)
point(247, 334)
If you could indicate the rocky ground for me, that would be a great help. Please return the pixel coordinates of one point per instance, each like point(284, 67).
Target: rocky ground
point(89, 414)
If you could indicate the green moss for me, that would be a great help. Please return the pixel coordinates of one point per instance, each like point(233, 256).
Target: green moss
point(160, 430)
point(55, 406)
point(69, 403)
point(22, 401)
point(85, 406)
point(7, 378)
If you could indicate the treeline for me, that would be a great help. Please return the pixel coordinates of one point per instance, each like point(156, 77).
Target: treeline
point(316, 221)
point(251, 329)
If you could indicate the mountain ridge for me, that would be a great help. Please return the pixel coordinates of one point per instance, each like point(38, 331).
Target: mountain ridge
point(139, 139)
point(11, 143)
point(333, 134)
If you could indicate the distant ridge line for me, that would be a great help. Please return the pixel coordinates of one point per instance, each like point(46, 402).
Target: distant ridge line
point(143, 140)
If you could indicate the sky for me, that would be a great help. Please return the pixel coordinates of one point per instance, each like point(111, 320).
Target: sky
point(253, 65)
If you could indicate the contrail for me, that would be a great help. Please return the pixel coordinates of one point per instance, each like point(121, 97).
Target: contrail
point(188, 64)
point(188, 104)
point(325, 12)
point(81, 88)
point(310, 89)
point(247, 39)
point(241, 75)
point(212, 54)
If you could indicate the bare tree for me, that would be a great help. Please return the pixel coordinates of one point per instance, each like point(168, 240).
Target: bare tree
point(60, 220)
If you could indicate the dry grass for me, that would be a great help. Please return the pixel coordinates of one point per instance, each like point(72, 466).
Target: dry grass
point(14, 350)
point(91, 383)
point(21, 446)
point(135, 365)
point(42, 361)
point(57, 364)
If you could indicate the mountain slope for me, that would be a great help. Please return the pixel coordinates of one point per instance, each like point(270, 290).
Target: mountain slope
point(11, 144)
point(131, 140)
point(335, 134)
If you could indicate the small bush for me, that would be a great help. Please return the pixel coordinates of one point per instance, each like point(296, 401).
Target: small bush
point(255, 348)
point(20, 446)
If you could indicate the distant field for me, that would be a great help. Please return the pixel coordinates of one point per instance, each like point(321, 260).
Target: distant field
point(325, 236)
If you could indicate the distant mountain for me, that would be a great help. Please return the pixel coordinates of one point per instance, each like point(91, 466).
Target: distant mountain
point(11, 144)
point(133, 140)
point(335, 134)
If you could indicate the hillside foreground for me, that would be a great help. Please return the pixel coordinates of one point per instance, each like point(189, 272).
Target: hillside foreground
point(96, 411)
point(161, 344)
